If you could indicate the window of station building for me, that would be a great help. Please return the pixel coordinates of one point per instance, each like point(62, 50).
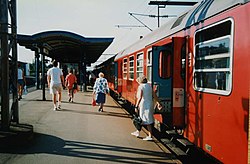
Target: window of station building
point(165, 64)
point(124, 68)
point(139, 64)
point(149, 66)
point(213, 58)
point(131, 67)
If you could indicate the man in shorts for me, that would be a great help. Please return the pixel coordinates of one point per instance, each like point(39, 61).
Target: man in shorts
point(55, 79)
point(20, 81)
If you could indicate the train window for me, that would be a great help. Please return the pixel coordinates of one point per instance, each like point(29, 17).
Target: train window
point(217, 31)
point(179, 20)
point(139, 62)
point(124, 67)
point(213, 58)
point(149, 66)
point(131, 67)
point(165, 65)
point(213, 47)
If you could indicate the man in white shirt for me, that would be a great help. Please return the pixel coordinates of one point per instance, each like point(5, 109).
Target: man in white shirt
point(55, 79)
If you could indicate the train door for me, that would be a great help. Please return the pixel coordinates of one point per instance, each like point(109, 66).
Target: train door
point(162, 81)
point(168, 82)
point(116, 75)
point(178, 78)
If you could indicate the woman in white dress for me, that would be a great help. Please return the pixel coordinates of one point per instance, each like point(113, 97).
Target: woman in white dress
point(144, 104)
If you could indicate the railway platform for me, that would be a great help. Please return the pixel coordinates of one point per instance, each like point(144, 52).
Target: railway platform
point(78, 133)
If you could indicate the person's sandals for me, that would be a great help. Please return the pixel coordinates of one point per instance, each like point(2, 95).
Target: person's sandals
point(136, 133)
point(147, 138)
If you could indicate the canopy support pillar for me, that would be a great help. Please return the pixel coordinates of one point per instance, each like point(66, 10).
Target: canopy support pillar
point(4, 61)
point(83, 71)
point(37, 62)
point(43, 77)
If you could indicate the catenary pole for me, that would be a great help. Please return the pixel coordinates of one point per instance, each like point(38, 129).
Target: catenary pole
point(4, 68)
point(13, 14)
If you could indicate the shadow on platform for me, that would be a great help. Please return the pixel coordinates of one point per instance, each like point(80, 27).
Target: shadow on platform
point(49, 144)
point(104, 113)
point(17, 135)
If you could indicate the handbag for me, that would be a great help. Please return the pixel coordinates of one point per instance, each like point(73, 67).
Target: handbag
point(75, 85)
point(137, 121)
point(93, 102)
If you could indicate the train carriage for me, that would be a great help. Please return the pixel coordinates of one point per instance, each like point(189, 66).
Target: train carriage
point(218, 97)
point(198, 65)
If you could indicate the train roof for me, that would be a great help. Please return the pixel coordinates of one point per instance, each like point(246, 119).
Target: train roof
point(106, 62)
point(201, 11)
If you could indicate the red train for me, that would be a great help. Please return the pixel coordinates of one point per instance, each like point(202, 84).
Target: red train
point(198, 65)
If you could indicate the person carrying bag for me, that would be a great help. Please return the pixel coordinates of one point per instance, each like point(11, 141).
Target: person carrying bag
point(144, 106)
point(100, 90)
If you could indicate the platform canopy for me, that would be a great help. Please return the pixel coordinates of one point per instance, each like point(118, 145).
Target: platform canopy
point(66, 47)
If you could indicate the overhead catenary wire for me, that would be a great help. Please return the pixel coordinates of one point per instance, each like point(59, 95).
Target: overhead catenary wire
point(154, 16)
point(128, 26)
point(140, 22)
point(130, 33)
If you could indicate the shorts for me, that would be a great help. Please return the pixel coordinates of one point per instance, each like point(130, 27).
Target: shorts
point(100, 98)
point(20, 81)
point(56, 88)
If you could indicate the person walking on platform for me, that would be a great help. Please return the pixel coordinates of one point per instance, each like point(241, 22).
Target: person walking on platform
point(144, 106)
point(92, 78)
point(100, 90)
point(20, 81)
point(71, 84)
point(55, 81)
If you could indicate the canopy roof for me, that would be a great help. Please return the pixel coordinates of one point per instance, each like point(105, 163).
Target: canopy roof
point(66, 46)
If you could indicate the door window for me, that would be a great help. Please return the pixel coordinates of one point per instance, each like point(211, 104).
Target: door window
point(164, 64)
point(149, 66)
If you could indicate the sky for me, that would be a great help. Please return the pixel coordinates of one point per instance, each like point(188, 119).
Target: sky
point(90, 18)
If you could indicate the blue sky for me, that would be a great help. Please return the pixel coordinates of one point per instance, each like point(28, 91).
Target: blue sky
point(89, 18)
